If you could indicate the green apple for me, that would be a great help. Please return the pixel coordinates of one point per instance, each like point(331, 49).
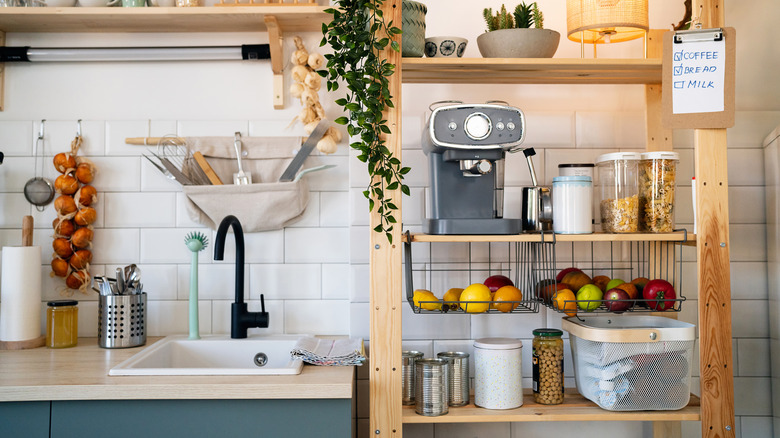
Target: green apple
point(586, 293)
point(615, 282)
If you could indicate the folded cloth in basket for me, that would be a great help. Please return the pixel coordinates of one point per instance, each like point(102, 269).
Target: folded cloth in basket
point(331, 352)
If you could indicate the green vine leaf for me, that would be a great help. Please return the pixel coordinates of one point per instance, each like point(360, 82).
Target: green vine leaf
point(357, 34)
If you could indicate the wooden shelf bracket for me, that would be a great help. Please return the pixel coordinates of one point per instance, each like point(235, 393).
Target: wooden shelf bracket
point(275, 41)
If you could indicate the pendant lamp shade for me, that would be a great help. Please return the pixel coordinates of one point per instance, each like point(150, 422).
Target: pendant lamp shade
point(606, 21)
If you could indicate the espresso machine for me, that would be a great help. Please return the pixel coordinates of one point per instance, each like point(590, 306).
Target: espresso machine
point(466, 145)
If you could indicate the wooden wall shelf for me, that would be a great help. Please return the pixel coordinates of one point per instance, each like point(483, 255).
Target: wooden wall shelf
point(595, 237)
point(575, 407)
point(530, 71)
point(203, 19)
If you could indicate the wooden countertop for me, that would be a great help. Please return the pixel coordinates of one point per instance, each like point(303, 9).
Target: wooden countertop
point(81, 373)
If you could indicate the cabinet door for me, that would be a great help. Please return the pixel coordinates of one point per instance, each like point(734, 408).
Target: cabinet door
point(24, 419)
point(201, 418)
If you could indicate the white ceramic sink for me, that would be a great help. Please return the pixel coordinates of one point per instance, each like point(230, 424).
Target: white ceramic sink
point(212, 355)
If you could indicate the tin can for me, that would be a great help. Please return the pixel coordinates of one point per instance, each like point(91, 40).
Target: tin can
point(498, 378)
point(457, 377)
point(407, 375)
point(431, 395)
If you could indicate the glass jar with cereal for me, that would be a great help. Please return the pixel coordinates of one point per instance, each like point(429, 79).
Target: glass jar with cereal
point(657, 184)
point(618, 188)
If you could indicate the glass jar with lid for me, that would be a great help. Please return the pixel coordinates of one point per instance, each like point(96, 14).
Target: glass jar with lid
point(657, 184)
point(618, 190)
point(547, 365)
point(62, 323)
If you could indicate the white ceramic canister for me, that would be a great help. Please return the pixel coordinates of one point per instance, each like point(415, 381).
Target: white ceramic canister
point(498, 379)
point(576, 169)
point(572, 204)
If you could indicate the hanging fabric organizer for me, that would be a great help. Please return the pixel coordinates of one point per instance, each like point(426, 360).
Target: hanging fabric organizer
point(265, 205)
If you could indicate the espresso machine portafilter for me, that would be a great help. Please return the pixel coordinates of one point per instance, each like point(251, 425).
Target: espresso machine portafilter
point(466, 145)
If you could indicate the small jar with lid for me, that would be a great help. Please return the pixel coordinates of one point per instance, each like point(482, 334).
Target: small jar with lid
point(572, 204)
point(62, 323)
point(657, 184)
point(576, 169)
point(547, 365)
point(618, 192)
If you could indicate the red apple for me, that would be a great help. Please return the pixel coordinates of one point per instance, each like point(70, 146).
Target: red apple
point(496, 282)
point(617, 300)
point(559, 277)
point(661, 293)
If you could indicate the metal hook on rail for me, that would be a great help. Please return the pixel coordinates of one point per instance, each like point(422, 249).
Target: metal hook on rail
point(40, 130)
point(78, 128)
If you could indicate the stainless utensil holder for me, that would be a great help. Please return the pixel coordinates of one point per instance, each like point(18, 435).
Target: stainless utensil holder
point(457, 377)
point(122, 321)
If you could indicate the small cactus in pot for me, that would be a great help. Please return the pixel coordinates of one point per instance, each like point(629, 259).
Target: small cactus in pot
point(519, 34)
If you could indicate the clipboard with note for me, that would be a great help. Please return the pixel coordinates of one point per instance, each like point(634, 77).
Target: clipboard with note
point(698, 78)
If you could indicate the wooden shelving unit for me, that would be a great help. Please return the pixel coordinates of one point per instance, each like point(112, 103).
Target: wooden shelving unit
point(715, 409)
point(574, 408)
point(595, 237)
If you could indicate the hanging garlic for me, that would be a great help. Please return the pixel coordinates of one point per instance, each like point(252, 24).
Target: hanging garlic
point(300, 57)
point(309, 97)
point(299, 73)
point(316, 61)
point(313, 81)
point(309, 127)
point(326, 145)
point(296, 89)
point(334, 133)
point(307, 115)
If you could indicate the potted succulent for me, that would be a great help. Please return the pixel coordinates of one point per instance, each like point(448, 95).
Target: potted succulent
point(517, 35)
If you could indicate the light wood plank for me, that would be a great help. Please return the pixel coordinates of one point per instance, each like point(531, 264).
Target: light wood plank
point(386, 275)
point(531, 71)
point(667, 429)
point(276, 44)
point(574, 408)
point(658, 138)
point(81, 373)
point(595, 237)
point(2, 75)
point(234, 19)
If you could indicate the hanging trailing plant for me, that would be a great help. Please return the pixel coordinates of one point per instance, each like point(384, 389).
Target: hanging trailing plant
point(358, 34)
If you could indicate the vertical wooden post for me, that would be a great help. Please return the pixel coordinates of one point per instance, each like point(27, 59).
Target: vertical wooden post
point(386, 275)
point(658, 138)
point(2, 75)
point(712, 251)
point(275, 42)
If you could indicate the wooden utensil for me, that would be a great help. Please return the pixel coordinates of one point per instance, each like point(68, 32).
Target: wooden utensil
point(201, 160)
point(27, 231)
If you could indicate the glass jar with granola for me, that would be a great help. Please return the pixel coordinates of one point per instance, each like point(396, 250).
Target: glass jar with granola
point(657, 184)
point(618, 188)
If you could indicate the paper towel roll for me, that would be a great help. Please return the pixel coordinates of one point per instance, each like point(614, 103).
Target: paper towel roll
point(20, 293)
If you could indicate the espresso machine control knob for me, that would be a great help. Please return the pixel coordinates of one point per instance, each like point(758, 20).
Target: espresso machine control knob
point(478, 126)
point(476, 167)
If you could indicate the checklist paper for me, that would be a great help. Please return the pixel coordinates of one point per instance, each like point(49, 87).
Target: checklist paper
point(698, 77)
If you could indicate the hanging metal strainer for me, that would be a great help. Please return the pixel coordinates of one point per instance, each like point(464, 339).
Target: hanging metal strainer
point(39, 191)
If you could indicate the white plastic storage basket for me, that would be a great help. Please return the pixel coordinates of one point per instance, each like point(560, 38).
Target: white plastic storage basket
point(632, 363)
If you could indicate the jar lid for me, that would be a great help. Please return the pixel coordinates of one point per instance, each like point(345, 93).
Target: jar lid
point(57, 303)
point(578, 178)
point(498, 343)
point(661, 155)
point(547, 332)
point(576, 165)
point(615, 156)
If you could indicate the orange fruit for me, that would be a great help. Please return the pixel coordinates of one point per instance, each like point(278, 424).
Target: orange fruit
point(565, 301)
point(507, 293)
point(475, 292)
point(630, 289)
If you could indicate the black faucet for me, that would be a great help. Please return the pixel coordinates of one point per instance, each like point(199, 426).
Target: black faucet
point(241, 318)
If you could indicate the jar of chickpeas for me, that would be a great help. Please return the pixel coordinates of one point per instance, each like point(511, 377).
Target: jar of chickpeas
point(548, 366)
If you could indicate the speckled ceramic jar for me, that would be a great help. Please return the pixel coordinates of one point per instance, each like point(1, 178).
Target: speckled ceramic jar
point(498, 378)
point(413, 36)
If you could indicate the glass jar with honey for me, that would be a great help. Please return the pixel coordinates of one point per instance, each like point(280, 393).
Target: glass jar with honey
point(62, 323)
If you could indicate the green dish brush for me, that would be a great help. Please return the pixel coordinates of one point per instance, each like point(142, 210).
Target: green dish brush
point(196, 242)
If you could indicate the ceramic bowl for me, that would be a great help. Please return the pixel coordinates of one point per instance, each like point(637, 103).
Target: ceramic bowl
point(445, 47)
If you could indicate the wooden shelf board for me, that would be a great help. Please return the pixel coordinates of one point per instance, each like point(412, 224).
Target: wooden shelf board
point(595, 237)
point(574, 408)
point(531, 71)
point(202, 19)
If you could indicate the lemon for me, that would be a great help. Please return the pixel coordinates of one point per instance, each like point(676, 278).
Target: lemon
point(421, 298)
point(453, 295)
point(475, 292)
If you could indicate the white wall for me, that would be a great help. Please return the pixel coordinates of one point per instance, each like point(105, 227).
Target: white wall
point(315, 273)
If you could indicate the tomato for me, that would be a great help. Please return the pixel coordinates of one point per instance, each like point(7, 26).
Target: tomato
point(662, 294)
